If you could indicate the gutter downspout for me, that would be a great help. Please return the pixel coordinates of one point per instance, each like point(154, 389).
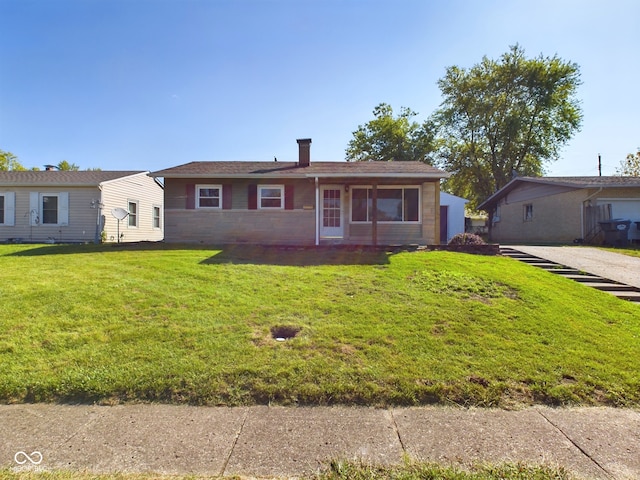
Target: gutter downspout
point(97, 236)
point(317, 211)
point(582, 211)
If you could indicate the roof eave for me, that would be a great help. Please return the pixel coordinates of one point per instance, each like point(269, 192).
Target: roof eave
point(380, 175)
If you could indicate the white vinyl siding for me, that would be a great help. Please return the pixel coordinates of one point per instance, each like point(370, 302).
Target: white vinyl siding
point(7, 209)
point(141, 189)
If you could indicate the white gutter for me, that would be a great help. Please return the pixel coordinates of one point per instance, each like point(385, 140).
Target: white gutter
point(317, 212)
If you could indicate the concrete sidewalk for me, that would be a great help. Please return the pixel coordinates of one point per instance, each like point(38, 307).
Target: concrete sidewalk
point(594, 443)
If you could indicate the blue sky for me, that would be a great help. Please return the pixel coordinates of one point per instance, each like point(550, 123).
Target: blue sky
point(149, 84)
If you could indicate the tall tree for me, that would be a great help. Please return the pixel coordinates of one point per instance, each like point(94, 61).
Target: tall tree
point(388, 137)
point(630, 166)
point(8, 161)
point(505, 117)
point(64, 165)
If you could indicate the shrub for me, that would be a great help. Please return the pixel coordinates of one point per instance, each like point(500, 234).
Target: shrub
point(466, 239)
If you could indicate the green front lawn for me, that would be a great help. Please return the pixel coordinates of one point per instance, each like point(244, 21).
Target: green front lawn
point(632, 251)
point(343, 471)
point(193, 325)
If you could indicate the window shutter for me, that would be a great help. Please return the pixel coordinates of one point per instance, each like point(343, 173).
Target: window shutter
point(63, 208)
point(9, 209)
point(226, 197)
point(34, 209)
point(288, 197)
point(191, 196)
point(253, 197)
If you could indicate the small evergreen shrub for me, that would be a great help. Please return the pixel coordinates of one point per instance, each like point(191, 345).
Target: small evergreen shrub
point(467, 239)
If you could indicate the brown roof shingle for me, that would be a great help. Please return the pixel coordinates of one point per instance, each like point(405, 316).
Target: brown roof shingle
point(573, 182)
point(238, 169)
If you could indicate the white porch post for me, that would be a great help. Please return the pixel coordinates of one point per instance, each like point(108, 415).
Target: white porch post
point(317, 212)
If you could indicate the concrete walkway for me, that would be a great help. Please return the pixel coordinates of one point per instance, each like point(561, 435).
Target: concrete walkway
point(614, 266)
point(594, 443)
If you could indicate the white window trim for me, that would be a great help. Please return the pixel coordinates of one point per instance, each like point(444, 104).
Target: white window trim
point(387, 187)
point(9, 209)
point(153, 217)
point(36, 207)
point(272, 187)
point(198, 187)
point(137, 215)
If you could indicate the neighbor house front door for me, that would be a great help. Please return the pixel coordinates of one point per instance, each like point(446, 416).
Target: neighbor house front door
point(331, 221)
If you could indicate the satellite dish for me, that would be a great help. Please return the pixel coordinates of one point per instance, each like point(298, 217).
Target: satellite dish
point(119, 213)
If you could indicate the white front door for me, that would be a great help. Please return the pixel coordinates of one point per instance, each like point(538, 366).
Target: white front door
point(331, 212)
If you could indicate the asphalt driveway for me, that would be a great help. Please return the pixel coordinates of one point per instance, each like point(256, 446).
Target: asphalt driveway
point(606, 264)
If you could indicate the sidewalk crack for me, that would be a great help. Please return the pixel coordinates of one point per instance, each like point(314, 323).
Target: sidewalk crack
point(582, 450)
point(397, 430)
point(235, 442)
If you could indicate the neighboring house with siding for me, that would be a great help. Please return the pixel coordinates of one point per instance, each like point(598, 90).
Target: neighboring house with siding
point(562, 209)
point(76, 206)
point(302, 203)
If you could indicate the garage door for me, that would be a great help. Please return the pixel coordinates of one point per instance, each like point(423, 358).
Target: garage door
point(628, 209)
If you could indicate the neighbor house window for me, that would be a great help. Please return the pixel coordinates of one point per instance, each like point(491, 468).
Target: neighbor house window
point(1, 209)
point(271, 196)
point(528, 212)
point(133, 213)
point(208, 196)
point(156, 217)
point(395, 204)
point(49, 209)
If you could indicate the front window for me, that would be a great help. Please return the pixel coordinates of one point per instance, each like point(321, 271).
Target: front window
point(209, 196)
point(50, 209)
point(401, 204)
point(133, 214)
point(271, 196)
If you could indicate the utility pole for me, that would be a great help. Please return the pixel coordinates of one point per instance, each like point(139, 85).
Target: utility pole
point(599, 166)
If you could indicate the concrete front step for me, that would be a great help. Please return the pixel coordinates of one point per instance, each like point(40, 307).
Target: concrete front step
point(613, 287)
point(630, 296)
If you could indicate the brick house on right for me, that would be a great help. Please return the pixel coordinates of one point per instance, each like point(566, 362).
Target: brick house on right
point(562, 209)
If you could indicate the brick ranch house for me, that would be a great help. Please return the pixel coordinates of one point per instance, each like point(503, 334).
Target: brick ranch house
point(303, 202)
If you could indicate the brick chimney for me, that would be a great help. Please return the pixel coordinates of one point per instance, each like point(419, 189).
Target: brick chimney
point(304, 152)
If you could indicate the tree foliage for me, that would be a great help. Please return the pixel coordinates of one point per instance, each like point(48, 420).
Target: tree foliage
point(388, 137)
point(630, 167)
point(64, 165)
point(505, 117)
point(8, 161)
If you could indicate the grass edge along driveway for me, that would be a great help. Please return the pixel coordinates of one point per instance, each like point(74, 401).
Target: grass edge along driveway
point(176, 324)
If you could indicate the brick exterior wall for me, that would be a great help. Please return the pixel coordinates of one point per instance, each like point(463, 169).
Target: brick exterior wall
point(283, 227)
